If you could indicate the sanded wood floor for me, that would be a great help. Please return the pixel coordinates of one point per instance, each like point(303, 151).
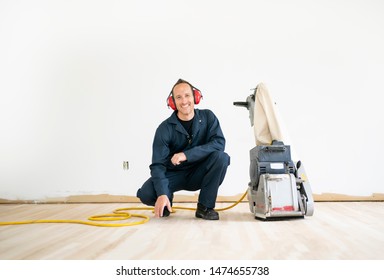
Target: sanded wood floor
point(337, 231)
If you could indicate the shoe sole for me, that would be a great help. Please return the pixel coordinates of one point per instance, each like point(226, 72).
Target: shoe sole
point(206, 218)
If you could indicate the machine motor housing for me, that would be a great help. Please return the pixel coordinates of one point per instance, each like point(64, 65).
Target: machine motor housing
point(271, 159)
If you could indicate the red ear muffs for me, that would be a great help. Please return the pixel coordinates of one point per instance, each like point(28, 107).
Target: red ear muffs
point(196, 97)
point(171, 102)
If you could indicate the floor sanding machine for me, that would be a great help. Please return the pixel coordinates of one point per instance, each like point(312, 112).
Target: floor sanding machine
point(278, 187)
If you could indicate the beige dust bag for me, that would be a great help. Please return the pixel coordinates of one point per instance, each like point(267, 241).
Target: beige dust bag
point(267, 123)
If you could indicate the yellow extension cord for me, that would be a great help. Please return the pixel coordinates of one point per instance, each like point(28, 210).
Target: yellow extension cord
point(117, 215)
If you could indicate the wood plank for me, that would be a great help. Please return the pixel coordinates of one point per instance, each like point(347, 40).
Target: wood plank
point(338, 230)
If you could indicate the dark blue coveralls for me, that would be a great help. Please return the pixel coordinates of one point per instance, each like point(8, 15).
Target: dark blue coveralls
point(206, 163)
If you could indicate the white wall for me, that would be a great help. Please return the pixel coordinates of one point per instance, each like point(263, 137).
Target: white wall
point(83, 86)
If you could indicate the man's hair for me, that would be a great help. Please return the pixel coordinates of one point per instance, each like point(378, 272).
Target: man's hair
point(181, 81)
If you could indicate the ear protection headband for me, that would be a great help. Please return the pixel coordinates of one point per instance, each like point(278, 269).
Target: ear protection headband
point(196, 95)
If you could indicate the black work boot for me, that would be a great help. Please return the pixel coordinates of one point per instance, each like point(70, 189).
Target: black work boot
point(206, 213)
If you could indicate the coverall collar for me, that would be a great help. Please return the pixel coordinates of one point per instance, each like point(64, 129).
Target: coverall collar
point(196, 123)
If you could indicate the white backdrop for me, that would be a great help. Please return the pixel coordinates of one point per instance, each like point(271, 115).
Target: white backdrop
point(83, 86)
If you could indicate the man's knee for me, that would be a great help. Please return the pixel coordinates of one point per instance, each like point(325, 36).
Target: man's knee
point(147, 194)
point(220, 158)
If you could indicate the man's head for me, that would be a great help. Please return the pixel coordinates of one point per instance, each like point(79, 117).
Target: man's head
point(183, 97)
point(182, 85)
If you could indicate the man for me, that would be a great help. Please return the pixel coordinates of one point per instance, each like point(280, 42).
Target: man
point(188, 154)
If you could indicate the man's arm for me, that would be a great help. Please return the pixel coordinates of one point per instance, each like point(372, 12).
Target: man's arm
point(160, 157)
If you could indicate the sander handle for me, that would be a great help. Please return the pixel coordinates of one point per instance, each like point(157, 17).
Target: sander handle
point(273, 148)
point(241, 103)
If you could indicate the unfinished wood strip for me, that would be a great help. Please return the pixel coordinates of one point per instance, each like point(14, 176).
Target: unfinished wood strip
point(106, 198)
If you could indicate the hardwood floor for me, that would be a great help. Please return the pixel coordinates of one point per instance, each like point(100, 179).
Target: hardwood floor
point(336, 231)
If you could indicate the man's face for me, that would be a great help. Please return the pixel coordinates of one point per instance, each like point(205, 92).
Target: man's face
point(182, 93)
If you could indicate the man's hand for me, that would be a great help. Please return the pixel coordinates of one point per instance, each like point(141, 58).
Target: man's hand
point(178, 158)
point(161, 202)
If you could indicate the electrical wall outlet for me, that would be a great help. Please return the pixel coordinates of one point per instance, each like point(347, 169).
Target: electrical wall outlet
point(125, 165)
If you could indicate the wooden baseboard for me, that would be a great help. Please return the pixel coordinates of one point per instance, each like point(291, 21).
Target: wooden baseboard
point(342, 197)
point(106, 198)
